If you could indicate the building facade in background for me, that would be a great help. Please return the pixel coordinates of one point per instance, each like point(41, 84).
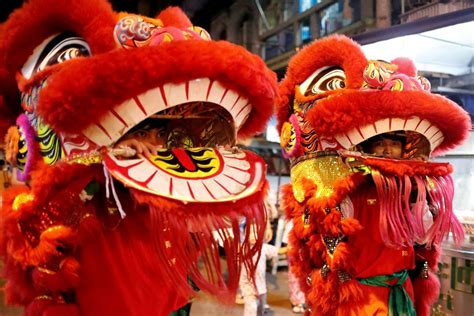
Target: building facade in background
point(275, 29)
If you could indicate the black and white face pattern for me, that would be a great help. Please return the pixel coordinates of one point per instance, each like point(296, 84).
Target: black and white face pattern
point(323, 80)
point(55, 50)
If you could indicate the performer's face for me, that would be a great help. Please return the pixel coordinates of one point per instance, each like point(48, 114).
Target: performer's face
point(386, 147)
point(152, 136)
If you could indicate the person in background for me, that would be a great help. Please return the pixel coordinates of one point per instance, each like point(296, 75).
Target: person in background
point(297, 298)
point(255, 294)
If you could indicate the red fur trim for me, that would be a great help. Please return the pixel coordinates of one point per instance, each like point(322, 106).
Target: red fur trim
point(71, 98)
point(341, 259)
point(174, 16)
point(333, 50)
point(45, 182)
point(66, 278)
point(38, 306)
point(350, 292)
point(287, 200)
point(350, 226)
point(48, 307)
point(316, 250)
point(330, 224)
point(405, 66)
point(409, 167)
point(61, 310)
point(18, 288)
point(351, 109)
point(426, 293)
point(321, 296)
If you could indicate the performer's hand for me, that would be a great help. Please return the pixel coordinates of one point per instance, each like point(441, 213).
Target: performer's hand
point(143, 149)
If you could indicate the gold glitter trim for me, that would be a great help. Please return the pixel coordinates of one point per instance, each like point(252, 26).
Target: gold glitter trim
point(52, 229)
point(21, 199)
point(47, 271)
point(86, 159)
point(323, 171)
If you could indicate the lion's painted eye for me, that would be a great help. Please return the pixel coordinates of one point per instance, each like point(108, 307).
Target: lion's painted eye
point(324, 79)
point(55, 50)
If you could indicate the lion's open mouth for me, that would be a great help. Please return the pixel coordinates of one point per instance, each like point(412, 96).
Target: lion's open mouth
point(197, 122)
point(431, 134)
point(413, 145)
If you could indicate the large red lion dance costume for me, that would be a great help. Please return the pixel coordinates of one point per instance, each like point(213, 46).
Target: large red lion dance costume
point(93, 232)
point(362, 242)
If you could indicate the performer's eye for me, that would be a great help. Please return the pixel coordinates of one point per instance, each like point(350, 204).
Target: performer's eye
point(55, 50)
point(141, 133)
point(324, 79)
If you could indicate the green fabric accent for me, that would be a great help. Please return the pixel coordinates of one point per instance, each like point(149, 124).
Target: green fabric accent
point(399, 303)
point(183, 311)
point(92, 188)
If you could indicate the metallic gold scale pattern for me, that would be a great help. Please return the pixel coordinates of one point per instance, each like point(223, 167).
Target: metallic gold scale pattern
point(323, 171)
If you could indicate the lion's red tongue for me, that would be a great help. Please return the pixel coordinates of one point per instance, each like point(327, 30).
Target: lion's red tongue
point(193, 175)
point(184, 159)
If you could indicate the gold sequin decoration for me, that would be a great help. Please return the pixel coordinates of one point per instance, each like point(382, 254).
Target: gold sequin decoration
point(287, 137)
point(323, 171)
point(46, 271)
point(52, 229)
point(20, 199)
point(87, 159)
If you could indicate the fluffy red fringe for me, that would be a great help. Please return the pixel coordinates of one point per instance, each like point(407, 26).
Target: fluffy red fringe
point(409, 167)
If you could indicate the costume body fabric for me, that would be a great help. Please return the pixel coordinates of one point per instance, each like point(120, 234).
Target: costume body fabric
point(98, 229)
point(361, 241)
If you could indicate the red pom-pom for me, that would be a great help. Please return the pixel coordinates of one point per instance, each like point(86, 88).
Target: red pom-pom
point(426, 293)
point(405, 66)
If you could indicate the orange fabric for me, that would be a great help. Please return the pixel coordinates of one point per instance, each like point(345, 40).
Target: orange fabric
point(375, 302)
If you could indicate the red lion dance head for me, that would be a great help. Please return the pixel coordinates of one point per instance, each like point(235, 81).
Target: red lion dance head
point(360, 213)
point(103, 229)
